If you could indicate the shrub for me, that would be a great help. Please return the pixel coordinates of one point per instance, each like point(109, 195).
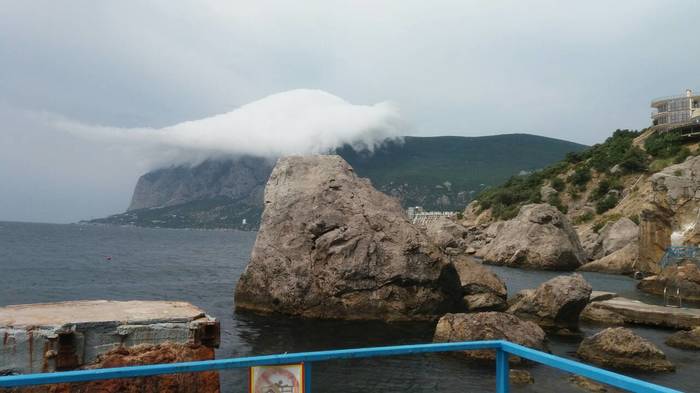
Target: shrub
point(606, 203)
point(663, 144)
point(634, 218)
point(585, 217)
point(580, 177)
point(558, 184)
point(555, 201)
point(613, 151)
point(604, 186)
point(682, 154)
point(634, 160)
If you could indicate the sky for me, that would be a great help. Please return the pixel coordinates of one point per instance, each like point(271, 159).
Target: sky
point(94, 94)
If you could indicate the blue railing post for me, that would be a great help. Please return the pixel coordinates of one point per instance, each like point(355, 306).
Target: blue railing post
point(502, 371)
point(307, 377)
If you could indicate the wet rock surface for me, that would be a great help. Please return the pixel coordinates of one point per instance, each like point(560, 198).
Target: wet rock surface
point(540, 237)
point(685, 339)
point(482, 289)
point(590, 385)
point(621, 348)
point(331, 246)
point(556, 304)
point(636, 312)
point(488, 326)
point(683, 279)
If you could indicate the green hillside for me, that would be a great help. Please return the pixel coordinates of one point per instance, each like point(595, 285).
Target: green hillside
point(446, 172)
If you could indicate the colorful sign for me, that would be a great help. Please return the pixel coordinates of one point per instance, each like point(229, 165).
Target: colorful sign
point(287, 378)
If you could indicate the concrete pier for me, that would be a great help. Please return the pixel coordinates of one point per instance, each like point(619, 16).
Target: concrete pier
point(69, 335)
point(636, 312)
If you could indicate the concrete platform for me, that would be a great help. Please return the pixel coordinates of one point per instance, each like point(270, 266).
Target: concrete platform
point(636, 312)
point(50, 337)
point(97, 312)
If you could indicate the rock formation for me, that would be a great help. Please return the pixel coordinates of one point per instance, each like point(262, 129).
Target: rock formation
point(683, 279)
point(488, 326)
point(331, 246)
point(447, 235)
point(540, 237)
point(622, 261)
point(481, 288)
point(672, 206)
point(556, 304)
point(614, 236)
point(623, 349)
point(685, 339)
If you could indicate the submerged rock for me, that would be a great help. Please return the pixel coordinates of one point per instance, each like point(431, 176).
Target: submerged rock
point(540, 237)
point(685, 339)
point(590, 385)
point(482, 289)
point(556, 304)
point(331, 246)
point(622, 261)
point(683, 279)
point(636, 312)
point(520, 377)
point(621, 348)
point(488, 326)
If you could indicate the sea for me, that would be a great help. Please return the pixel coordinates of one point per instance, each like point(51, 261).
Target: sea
point(52, 262)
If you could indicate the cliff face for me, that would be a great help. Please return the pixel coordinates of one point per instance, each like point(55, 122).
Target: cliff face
point(240, 179)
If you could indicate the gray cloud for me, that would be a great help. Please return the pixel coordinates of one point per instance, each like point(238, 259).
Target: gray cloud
point(575, 71)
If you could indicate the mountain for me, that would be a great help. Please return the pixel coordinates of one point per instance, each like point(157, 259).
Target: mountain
point(438, 173)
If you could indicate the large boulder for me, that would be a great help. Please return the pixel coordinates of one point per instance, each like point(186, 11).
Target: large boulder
point(331, 246)
point(482, 289)
point(488, 326)
point(622, 261)
point(556, 304)
point(685, 339)
point(683, 278)
point(540, 237)
point(621, 348)
point(447, 235)
point(615, 236)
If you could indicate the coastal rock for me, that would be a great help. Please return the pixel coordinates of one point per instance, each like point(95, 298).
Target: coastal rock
point(615, 236)
point(482, 289)
point(685, 339)
point(556, 304)
point(488, 326)
point(671, 206)
point(540, 237)
point(520, 377)
point(596, 314)
point(447, 234)
point(331, 246)
point(621, 348)
point(590, 385)
point(621, 261)
point(684, 278)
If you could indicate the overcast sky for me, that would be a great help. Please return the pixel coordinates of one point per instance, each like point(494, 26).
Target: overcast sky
point(574, 71)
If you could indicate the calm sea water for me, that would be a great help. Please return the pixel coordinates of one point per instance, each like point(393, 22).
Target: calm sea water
point(45, 263)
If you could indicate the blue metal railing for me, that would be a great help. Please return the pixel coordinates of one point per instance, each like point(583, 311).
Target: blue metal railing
point(503, 350)
point(674, 254)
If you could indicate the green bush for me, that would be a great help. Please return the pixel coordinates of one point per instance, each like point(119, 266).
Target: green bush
point(682, 154)
point(558, 184)
point(634, 161)
point(663, 144)
point(555, 201)
point(581, 176)
point(606, 203)
point(613, 151)
point(604, 186)
point(585, 217)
